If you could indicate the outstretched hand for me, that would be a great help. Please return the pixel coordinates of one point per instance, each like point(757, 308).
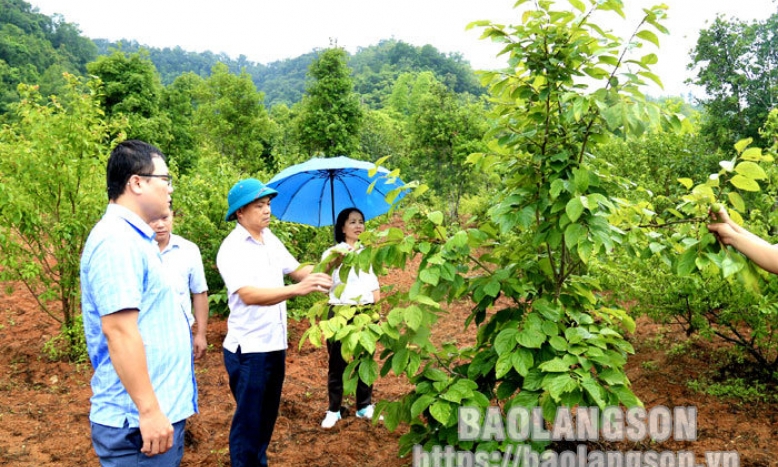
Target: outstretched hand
point(316, 282)
point(721, 226)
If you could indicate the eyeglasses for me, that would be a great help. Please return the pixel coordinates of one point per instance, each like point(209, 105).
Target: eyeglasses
point(167, 178)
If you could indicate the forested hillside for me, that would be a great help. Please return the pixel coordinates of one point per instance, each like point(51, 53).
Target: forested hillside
point(374, 68)
point(35, 48)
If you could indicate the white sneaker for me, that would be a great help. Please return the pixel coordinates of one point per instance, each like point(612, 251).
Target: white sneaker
point(367, 412)
point(330, 419)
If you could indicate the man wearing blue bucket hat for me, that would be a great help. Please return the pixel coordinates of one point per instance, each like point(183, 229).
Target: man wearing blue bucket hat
point(253, 263)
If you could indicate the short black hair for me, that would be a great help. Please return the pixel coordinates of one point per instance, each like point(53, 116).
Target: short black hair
point(127, 159)
point(340, 237)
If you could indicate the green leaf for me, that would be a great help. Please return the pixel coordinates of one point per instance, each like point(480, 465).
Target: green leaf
point(744, 183)
point(530, 338)
point(492, 288)
point(612, 376)
point(648, 36)
point(413, 317)
point(752, 154)
point(574, 233)
point(522, 360)
point(503, 365)
point(578, 5)
point(554, 365)
point(751, 170)
point(367, 340)
point(686, 262)
point(435, 374)
point(686, 182)
point(732, 264)
point(736, 201)
point(574, 209)
point(420, 404)
point(430, 275)
point(595, 390)
point(441, 411)
point(558, 343)
point(368, 371)
point(395, 317)
point(559, 384)
point(505, 341)
point(400, 361)
point(435, 217)
point(742, 144)
point(626, 396)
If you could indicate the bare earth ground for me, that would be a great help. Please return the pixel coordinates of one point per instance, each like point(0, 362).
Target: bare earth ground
point(44, 405)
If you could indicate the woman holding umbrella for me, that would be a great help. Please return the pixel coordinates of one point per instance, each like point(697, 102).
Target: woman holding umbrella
point(361, 288)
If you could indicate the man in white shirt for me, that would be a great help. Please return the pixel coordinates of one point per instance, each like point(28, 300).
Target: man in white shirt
point(253, 263)
point(184, 265)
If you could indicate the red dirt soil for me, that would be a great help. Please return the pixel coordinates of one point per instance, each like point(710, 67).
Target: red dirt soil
point(44, 405)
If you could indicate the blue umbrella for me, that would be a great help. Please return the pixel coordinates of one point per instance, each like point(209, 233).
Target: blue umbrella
point(314, 191)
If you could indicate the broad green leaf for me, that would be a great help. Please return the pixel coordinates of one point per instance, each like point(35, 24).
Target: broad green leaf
point(595, 390)
point(441, 411)
point(492, 288)
point(751, 170)
point(395, 317)
point(578, 5)
point(686, 262)
point(531, 339)
point(743, 144)
point(686, 182)
point(368, 341)
point(368, 371)
point(430, 275)
point(560, 384)
point(744, 183)
point(752, 154)
point(505, 341)
point(413, 317)
point(574, 209)
point(612, 376)
point(522, 360)
point(732, 264)
point(574, 233)
point(435, 374)
point(577, 334)
point(554, 365)
point(626, 396)
point(435, 217)
point(420, 404)
point(400, 361)
point(558, 343)
point(503, 365)
point(648, 36)
point(736, 201)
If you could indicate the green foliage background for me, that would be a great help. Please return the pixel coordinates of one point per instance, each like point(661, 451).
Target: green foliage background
point(545, 196)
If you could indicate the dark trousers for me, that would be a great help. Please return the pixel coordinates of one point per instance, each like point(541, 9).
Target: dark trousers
point(335, 380)
point(256, 380)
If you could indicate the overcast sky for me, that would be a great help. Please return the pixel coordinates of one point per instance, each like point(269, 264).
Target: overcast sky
point(266, 31)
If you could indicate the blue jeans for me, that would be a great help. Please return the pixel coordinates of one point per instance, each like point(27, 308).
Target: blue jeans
point(120, 447)
point(256, 380)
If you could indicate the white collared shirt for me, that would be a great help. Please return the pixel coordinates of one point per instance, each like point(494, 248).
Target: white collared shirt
point(243, 261)
point(184, 265)
point(359, 284)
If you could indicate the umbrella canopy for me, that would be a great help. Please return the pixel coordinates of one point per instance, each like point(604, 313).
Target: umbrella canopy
point(315, 191)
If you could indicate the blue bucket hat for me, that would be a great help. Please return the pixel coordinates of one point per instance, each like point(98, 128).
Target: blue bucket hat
point(244, 192)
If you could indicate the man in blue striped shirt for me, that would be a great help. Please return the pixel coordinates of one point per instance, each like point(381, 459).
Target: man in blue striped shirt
point(138, 340)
